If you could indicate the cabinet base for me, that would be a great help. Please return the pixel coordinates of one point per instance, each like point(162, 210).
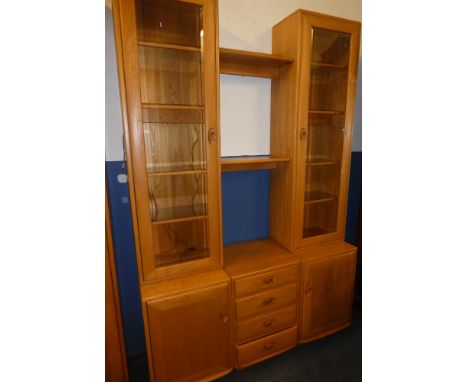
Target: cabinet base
point(325, 334)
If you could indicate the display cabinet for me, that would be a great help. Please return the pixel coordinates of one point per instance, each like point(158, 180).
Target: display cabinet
point(170, 65)
point(316, 97)
point(204, 316)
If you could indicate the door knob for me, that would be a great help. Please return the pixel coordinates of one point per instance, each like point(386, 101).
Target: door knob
point(211, 135)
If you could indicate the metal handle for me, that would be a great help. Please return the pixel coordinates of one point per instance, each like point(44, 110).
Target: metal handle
point(211, 135)
point(270, 346)
point(225, 317)
point(269, 301)
point(308, 291)
point(303, 135)
point(269, 323)
point(270, 280)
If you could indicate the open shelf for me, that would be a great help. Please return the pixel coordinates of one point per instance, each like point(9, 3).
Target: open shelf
point(179, 214)
point(256, 256)
point(323, 65)
point(249, 163)
point(253, 64)
point(318, 197)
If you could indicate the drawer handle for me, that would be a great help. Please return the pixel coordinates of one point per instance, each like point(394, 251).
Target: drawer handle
point(308, 291)
point(270, 280)
point(269, 323)
point(225, 317)
point(270, 346)
point(269, 301)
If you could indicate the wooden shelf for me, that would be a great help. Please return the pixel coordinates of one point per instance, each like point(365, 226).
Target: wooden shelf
point(323, 65)
point(256, 256)
point(175, 170)
point(312, 197)
point(322, 162)
point(244, 63)
point(177, 258)
point(249, 163)
point(326, 112)
point(169, 46)
point(179, 214)
point(167, 106)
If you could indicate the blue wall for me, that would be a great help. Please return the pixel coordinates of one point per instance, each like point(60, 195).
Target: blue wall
point(245, 217)
point(125, 259)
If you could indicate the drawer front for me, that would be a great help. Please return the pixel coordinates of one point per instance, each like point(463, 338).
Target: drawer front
point(262, 302)
point(254, 284)
point(266, 347)
point(266, 324)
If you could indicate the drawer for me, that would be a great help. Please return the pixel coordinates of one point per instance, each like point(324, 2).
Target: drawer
point(262, 302)
point(263, 348)
point(266, 324)
point(257, 283)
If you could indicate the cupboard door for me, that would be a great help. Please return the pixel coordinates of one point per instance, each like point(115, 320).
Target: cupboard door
point(190, 335)
point(170, 56)
point(327, 295)
point(326, 116)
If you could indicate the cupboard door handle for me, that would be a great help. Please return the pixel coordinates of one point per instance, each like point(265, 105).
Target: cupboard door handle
point(308, 291)
point(270, 280)
point(269, 323)
point(225, 317)
point(211, 135)
point(270, 346)
point(303, 135)
point(269, 301)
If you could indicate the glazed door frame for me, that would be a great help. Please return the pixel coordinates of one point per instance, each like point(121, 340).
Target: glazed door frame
point(311, 20)
point(135, 144)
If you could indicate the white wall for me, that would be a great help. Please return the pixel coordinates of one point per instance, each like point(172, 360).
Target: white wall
point(245, 101)
point(247, 25)
point(114, 128)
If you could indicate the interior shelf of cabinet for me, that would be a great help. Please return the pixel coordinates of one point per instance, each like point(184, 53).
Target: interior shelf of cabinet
point(326, 112)
point(173, 113)
point(324, 65)
point(253, 64)
point(322, 162)
point(250, 163)
point(170, 170)
point(318, 197)
point(169, 46)
point(166, 106)
point(177, 258)
point(179, 214)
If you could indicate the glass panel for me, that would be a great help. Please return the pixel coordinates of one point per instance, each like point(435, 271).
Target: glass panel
point(327, 106)
point(171, 76)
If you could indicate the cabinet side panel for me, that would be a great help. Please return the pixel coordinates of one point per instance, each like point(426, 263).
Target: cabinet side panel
point(284, 94)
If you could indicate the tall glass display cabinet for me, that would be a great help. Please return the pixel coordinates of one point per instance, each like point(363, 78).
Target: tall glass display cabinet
point(170, 73)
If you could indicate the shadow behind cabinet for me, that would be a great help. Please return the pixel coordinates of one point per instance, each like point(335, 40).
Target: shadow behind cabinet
point(203, 317)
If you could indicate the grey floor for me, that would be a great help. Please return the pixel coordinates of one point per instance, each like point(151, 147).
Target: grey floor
point(331, 359)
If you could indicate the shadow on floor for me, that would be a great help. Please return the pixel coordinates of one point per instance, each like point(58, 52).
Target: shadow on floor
point(337, 358)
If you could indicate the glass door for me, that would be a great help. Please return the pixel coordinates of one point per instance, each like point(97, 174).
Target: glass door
point(324, 130)
point(170, 53)
point(174, 137)
point(170, 49)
